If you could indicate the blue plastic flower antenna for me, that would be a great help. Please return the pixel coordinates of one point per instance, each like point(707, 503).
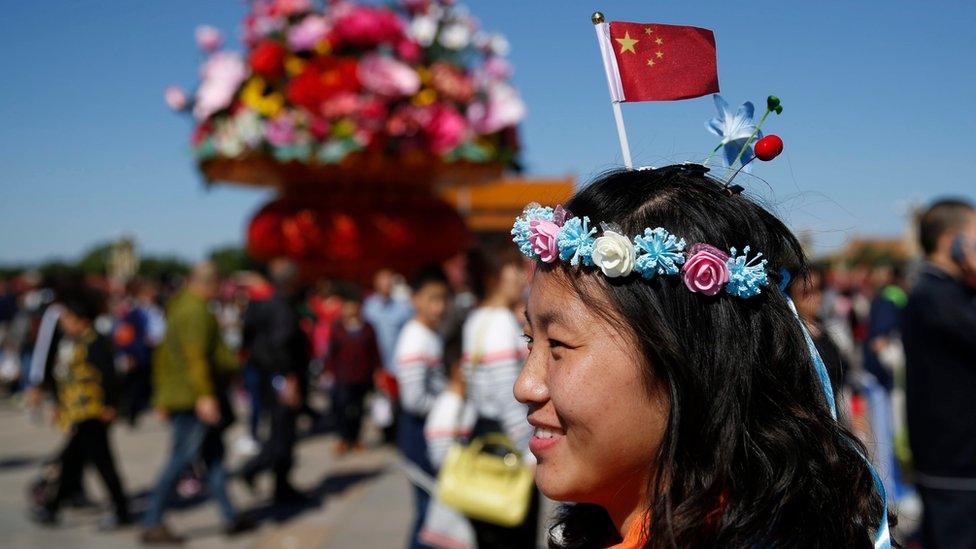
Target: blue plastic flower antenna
point(576, 241)
point(734, 129)
point(746, 278)
point(658, 252)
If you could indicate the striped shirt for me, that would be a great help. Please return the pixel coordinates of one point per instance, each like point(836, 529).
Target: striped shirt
point(418, 360)
point(493, 354)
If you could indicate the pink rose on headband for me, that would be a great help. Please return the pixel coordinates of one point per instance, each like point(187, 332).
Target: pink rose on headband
point(542, 236)
point(706, 270)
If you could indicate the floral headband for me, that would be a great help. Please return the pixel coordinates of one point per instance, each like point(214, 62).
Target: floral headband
point(551, 234)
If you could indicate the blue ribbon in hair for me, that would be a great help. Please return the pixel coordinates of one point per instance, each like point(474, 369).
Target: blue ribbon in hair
point(883, 539)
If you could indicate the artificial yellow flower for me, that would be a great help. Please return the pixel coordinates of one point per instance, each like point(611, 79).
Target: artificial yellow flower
point(324, 47)
point(266, 104)
point(294, 65)
point(343, 128)
point(425, 97)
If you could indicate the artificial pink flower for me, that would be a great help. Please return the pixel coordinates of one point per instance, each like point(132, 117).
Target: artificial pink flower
point(451, 82)
point(319, 127)
point(176, 98)
point(292, 7)
point(502, 109)
point(368, 26)
point(221, 75)
point(339, 105)
point(308, 33)
point(543, 237)
point(208, 38)
point(403, 121)
point(387, 76)
point(280, 131)
point(446, 129)
point(497, 67)
point(372, 114)
point(706, 271)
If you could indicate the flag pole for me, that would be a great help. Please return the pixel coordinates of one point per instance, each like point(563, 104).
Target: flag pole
point(613, 81)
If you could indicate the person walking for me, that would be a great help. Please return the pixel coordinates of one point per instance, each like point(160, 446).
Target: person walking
point(86, 387)
point(387, 314)
point(189, 390)
point(278, 348)
point(351, 360)
point(939, 335)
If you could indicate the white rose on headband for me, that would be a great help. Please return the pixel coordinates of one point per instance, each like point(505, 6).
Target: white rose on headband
point(614, 254)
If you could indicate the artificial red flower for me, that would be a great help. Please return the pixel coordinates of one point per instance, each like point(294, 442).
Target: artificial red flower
point(372, 114)
point(268, 59)
point(366, 26)
point(322, 79)
point(200, 133)
point(409, 51)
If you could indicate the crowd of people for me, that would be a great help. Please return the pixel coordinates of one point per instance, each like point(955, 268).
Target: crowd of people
point(432, 359)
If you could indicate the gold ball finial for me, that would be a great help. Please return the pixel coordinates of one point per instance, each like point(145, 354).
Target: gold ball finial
point(597, 18)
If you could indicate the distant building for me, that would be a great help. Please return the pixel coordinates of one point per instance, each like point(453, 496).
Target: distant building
point(490, 209)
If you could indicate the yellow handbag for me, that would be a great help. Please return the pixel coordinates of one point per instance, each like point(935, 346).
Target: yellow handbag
point(484, 485)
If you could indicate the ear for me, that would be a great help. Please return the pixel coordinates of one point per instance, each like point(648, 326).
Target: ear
point(944, 244)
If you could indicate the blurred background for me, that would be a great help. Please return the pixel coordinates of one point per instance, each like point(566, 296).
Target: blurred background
point(314, 156)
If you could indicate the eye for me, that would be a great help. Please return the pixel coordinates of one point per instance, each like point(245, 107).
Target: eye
point(528, 340)
point(556, 344)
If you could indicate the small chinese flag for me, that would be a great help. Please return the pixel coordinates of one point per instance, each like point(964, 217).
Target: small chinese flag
point(653, 62)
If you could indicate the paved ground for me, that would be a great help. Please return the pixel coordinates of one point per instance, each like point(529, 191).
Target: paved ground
point(360, 500)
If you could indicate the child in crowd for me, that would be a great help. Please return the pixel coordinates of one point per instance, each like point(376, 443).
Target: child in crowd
point(418, 361)
point(352, 358)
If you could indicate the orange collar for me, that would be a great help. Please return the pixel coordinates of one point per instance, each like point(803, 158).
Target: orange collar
point(634, 538)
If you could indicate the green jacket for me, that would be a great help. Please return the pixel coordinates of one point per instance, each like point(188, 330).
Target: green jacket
point(192, 357)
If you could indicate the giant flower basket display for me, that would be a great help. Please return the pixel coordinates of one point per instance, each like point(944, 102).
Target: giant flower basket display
point(357, 113)
point(349, 94)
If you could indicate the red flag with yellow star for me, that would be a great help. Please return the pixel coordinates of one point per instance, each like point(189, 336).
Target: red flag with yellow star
point(661, 62)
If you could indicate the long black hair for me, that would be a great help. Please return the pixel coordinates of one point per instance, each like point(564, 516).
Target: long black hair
point(751, 455)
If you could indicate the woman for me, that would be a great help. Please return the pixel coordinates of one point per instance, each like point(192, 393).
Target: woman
point(493, 354)
point(671, 387)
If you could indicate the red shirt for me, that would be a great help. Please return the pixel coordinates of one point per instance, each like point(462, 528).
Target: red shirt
point(353, 356)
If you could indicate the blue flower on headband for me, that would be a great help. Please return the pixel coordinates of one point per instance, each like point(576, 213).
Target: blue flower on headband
point(520, 231)
point(734, 129)
point(576, 241)
point(746, 279)
point(658, 252)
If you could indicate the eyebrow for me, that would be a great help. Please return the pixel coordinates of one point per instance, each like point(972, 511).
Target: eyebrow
point(546, 318)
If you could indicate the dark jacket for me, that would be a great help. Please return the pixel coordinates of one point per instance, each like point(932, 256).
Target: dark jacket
point(939, 334)
point(884, 321)
point(273, 338)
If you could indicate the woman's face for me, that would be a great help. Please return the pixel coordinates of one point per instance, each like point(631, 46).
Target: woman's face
point(596, 428)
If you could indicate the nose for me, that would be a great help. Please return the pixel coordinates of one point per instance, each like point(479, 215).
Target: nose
point(531, 387)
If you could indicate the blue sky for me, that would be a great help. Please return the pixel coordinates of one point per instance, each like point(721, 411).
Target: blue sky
point(878, 101)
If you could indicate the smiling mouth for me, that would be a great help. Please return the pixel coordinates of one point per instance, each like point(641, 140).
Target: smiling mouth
point(545, 434)
point(543, 439)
